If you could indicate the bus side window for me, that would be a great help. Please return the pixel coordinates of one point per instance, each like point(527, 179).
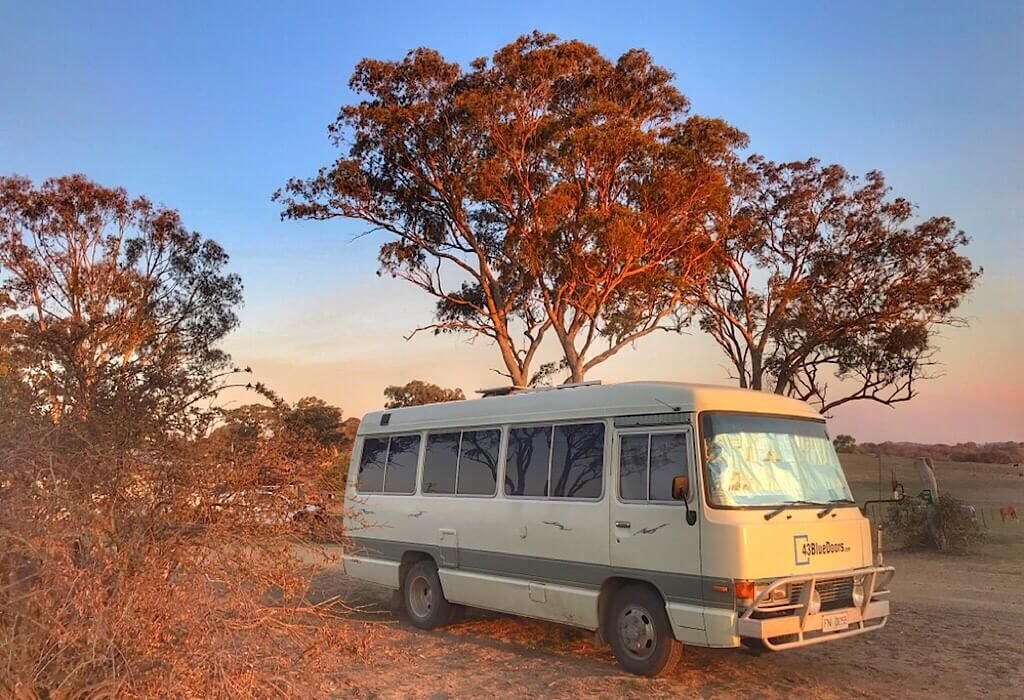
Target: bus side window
point(648, 462)
point(526, 466)
point(633, 451)
point(669, 459)
point(371, 465)
point(403, 456)
point(478, 463)
point(577, 461)
point(440, 463)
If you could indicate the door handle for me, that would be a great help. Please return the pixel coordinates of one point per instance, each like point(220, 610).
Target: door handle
point(625, 524)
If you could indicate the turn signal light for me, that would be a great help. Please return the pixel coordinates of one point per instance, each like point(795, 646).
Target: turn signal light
point(744, 590)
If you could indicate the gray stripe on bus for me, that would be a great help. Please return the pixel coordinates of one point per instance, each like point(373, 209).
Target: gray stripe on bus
point(692, 589)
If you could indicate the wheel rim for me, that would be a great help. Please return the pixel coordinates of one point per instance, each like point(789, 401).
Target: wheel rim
point(636, 630)
point(421, 597)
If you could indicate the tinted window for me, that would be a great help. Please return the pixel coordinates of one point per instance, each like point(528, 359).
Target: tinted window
point(526, 467)
point(401, 470)
point(633, 467)
point(669, 459)
point(371, 465)
point(478, 467)
point(577, 461)
point(439, 463)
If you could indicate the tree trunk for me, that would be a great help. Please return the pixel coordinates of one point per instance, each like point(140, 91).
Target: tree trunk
point(518, 372)
point(756, 370)
point(574, 363)
point(516, 376)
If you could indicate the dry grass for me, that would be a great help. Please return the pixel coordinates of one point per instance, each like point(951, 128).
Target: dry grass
point(986, 487)
point(166, 576)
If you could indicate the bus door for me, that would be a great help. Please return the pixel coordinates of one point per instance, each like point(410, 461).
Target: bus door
point(653, 537)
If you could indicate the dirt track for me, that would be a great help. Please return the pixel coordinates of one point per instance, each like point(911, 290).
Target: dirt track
point(955, 632)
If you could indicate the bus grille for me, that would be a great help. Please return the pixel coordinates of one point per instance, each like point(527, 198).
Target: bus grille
point(834, 593)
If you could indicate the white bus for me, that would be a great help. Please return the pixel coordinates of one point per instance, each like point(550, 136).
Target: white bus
point(656, 514)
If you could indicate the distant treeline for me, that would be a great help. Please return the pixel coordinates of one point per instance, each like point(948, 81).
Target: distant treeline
point(986, 452)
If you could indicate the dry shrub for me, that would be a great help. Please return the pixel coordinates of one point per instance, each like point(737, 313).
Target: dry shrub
point(141, 554)
point(908, 524)
point(174, 573)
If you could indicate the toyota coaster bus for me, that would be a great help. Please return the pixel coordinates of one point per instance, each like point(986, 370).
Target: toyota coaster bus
point(655, 514)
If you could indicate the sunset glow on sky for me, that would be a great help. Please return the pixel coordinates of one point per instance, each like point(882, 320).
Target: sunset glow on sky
point(210, 110)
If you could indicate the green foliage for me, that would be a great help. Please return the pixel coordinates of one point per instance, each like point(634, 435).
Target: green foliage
point(845, 443)
point(566, 192)
point(418, 393)
point(545, 374)
point(309, 421)
point(827, 276)
point(316, 418)
point(111, 310)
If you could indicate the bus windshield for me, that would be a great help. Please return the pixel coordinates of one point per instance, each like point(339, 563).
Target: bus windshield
point(766, 461)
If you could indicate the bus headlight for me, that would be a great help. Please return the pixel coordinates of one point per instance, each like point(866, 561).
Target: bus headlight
point(858, 592)
point(748, 591)
point(778, 595)
point(814, 604)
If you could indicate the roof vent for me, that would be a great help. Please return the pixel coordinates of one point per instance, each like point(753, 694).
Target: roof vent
point(508, 390)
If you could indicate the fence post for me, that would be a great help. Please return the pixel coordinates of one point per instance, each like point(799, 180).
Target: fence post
point(926, 472)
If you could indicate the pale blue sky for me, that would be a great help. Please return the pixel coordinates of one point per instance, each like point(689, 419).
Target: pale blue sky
point(209, 109)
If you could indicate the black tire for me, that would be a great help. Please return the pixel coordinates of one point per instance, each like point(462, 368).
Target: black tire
point(423, 598)
point(458, 615)
point(640, 634)
point(754, 647)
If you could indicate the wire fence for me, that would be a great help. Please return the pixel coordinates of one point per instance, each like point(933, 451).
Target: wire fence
point(990, 520)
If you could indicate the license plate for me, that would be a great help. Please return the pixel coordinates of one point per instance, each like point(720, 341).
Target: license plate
point(833, 622)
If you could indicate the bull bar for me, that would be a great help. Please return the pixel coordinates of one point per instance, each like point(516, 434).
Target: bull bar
point(872, 613)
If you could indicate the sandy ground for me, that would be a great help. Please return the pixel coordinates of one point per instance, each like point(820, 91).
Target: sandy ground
point(957, 631)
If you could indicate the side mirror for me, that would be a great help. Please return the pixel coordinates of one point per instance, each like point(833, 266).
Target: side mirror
point(681, 488)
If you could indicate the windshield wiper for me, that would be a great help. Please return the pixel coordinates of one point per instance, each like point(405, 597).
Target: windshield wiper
point(789, 504)
point(831, 505)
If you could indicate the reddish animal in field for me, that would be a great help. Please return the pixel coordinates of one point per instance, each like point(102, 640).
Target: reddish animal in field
point(1009, 512)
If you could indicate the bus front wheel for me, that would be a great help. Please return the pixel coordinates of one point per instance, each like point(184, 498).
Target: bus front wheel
point(640, 634)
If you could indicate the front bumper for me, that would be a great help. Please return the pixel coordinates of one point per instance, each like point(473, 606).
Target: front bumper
point(792, 625)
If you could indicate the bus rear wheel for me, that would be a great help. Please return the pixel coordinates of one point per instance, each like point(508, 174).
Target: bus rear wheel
point(423, 598)
point(640, 634)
